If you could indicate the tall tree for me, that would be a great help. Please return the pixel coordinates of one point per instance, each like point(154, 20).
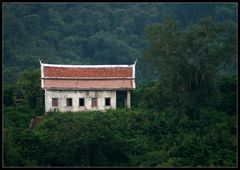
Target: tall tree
point(188, 61)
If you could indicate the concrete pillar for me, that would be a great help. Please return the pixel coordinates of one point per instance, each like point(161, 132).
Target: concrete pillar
point(128, 99)
point(45, 102)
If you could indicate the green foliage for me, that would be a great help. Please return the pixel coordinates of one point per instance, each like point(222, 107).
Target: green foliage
point(188, 61)
point(8, 93)
point(227, 94)
point(24, 97)
point(90, 33)
point(11, 149)
point(29, 87)
point(151, 95)
point(123, 138)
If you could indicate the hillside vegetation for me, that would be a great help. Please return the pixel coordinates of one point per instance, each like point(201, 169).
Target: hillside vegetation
point(85, 33)
point(184, 108)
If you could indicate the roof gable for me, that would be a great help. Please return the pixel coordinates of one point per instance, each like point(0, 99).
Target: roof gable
point(87, 72)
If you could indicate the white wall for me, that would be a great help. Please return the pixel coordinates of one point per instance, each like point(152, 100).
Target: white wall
point(75, 95)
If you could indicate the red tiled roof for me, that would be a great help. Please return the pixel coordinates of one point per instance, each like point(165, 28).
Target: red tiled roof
point(88, 77)
point(87, 72)
point(88, 84)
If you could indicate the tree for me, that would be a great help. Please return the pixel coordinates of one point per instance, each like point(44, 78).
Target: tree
point(187, 62)
point(28, 88)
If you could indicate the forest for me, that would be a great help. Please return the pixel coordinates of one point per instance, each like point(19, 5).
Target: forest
point(184, 109)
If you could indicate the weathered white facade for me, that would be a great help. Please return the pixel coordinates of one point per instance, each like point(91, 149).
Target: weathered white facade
point(75, 95)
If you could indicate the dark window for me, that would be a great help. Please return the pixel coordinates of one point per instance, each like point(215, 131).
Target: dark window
point(69, 101)
point(81, 101)
point(54, 102)
point(107, 101)
point(94, 102)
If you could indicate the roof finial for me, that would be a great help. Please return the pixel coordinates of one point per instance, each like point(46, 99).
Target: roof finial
point(135, 62)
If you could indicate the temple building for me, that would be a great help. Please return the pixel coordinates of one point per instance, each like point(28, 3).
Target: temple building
point(86, 87)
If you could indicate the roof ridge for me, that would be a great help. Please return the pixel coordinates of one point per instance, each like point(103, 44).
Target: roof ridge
point(86, 66)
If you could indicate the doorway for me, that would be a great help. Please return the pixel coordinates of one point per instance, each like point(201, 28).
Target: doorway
point(121, 99)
